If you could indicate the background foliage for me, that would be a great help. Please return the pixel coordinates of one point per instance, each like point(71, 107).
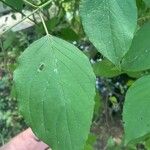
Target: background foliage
point(63, 20)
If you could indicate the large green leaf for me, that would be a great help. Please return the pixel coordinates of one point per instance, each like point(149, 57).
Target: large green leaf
point(110, 25)
point(55, 86)
point(17, 4)
point(138, 57)
point(136, 112)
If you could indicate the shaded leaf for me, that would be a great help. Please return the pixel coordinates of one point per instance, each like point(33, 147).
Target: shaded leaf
point(98, 104)
point(147, 144)
point(88, 147)
point(68, 34)
point(9, 39)
point(90, 142)
point(17, 4)
point(147, 2)
point(105, 68)
point(135, 74)
point(51, 25)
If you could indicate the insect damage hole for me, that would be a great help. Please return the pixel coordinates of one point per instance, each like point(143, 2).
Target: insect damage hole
point(41, 67)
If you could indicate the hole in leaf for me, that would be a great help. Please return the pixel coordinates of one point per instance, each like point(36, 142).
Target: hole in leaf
point(41, 67)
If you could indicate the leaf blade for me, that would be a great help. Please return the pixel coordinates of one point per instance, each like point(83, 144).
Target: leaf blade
point(136, 110)
point(137, 58)
point(110, 25)
point(147, 2)
point(105, 68)
point(17, 4)
point(60, 89)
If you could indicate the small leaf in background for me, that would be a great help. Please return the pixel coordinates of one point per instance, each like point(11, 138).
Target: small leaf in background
point(88, 147)
point(51, 26)
point(68, 34)
point(55, 87)
point(105, 68)
point(114, 102)
point(110, 25)
point(147, 144)
point(98, 104)
point(9, 39)
point(147, 2)
point(135, 74)
point(138, 74)
point(90, 142)
point(17, 4)
point(136, 112)
point(138, 57)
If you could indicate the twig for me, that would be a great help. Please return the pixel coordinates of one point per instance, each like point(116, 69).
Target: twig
point(44, 25)
point(30, 4)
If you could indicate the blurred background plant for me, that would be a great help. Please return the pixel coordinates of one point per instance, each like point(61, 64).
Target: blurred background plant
point(62, 20)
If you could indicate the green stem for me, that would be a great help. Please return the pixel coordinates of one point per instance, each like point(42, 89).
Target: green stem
point(44, 25)
point(30, 4)
point(39, 8)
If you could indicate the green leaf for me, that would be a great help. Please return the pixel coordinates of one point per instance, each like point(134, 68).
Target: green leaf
point(138, 74)
point(136, 112)
point(105, 68)
point(147, 2)
point(50, 23)
point(137, 58)
point(91, 139)
point(98, 104)
point(68, 34)
point(90, 142)
point(147, 144)
point(135, 74)
point(110, 25)
point(17, 4)
point(55, 87)
point(9, 39)
point(88, 147)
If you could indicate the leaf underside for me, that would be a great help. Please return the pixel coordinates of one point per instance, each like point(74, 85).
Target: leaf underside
point(55, 87)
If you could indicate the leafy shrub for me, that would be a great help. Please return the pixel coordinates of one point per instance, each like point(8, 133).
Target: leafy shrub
point(55, 84)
